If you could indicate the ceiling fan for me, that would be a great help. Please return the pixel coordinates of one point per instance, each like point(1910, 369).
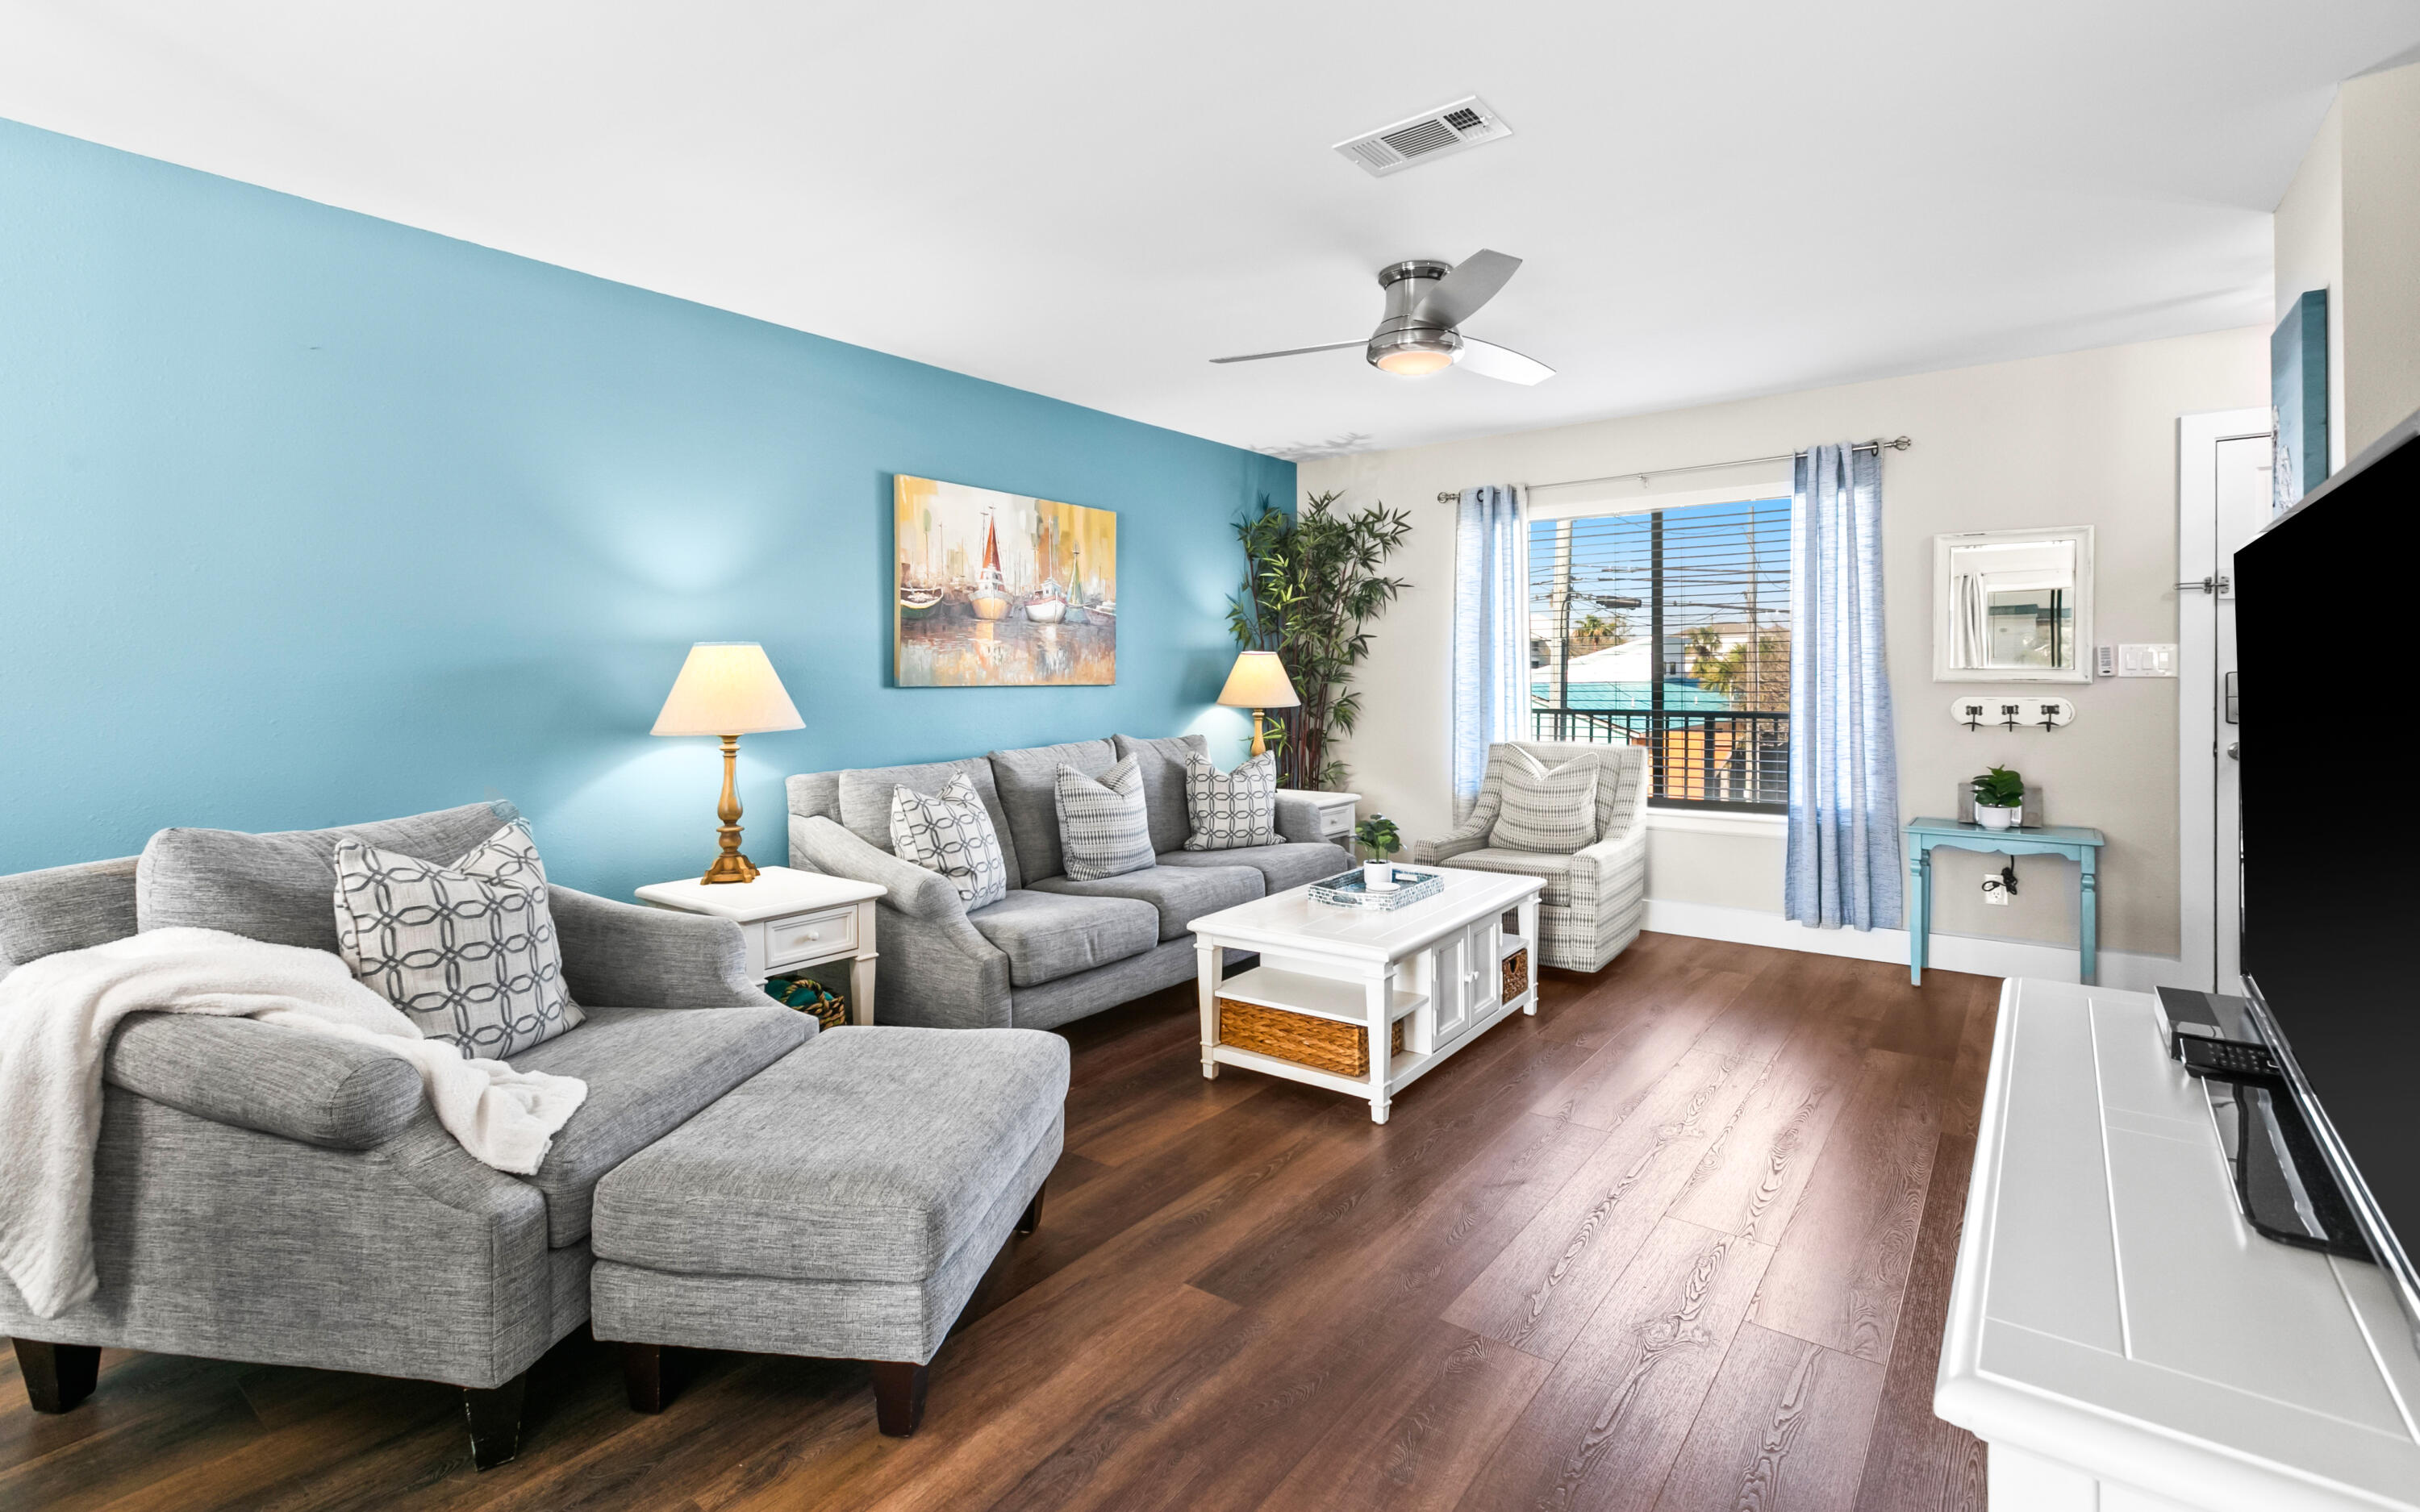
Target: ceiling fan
point(1426, 304)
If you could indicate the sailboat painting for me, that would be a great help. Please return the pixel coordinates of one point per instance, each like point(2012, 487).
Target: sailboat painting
point(999, 590)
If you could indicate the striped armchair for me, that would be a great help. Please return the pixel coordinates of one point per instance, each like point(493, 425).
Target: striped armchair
point(1595, 896)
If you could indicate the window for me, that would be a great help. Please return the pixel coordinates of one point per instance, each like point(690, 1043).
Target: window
point(1669, 628)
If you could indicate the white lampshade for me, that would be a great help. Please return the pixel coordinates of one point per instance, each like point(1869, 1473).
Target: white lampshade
point(1259, 682)
point(727, 687)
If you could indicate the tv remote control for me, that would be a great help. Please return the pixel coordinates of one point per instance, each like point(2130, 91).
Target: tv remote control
point(2228, 1061)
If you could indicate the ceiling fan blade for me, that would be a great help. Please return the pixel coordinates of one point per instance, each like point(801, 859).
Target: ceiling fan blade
point(1488, 359)
point(1474, 281)
point(1295, 351)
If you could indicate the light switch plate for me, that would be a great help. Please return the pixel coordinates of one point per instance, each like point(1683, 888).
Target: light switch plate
point(2147, 661)
point(2104, 659)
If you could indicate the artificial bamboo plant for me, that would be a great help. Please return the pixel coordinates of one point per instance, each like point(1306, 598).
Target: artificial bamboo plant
point(1313, 582)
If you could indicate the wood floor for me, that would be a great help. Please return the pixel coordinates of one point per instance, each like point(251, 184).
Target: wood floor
point(1682, 1240)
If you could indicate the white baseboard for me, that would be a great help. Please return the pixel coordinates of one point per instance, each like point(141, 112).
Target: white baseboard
point(2122, 970)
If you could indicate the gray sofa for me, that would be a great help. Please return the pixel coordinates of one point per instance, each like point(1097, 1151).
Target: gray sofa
point(1054, 948)
point(266, 1195)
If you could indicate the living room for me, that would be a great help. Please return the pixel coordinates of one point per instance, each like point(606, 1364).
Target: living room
point(767, 613)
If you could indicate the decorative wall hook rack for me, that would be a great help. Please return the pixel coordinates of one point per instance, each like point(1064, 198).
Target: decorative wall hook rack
point(2011, 713)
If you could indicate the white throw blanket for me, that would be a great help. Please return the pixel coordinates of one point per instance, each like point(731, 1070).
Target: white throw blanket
point(58, 1015)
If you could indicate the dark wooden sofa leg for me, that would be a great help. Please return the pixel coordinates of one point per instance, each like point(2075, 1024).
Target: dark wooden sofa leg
point(1033, 1216)
point(57, 1376)
point(899, 1397)
point(495, 1416)
point(643, 1376)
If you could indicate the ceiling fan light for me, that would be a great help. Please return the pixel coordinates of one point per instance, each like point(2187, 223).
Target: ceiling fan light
point(1416, 362)
point(1410, 350)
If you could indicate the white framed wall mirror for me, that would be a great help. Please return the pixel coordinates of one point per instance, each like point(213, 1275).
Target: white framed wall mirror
point(2013, 606)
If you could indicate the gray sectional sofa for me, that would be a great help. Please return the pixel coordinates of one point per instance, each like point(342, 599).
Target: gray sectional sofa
point(1054, 948)
point(268, 1194)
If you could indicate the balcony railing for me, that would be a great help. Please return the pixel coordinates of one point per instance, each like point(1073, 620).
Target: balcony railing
point(1728, 758)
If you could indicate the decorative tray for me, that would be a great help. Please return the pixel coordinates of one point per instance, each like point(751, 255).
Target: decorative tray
point(1347, 890)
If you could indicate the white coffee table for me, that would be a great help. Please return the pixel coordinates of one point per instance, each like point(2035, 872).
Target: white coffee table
point(1436, 965)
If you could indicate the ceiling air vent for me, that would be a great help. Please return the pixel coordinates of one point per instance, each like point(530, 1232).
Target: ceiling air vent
point(1430, 134)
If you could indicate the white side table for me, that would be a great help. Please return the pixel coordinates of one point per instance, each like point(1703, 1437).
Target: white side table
point(1335, 812)
point(791, 920)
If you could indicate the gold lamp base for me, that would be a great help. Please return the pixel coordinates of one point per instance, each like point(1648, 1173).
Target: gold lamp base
point(730, 866)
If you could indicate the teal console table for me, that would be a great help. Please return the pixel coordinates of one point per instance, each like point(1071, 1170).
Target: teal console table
point(2078, 844)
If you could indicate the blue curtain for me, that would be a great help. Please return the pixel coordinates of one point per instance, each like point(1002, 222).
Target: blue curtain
point(1491, 637)
point(1844, 855)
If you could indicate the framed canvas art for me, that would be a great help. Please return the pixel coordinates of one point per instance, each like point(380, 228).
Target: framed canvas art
point(999, 590)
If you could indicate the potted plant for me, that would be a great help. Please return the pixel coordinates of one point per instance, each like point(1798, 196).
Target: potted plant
point(2000, 799)
point(1378, 839)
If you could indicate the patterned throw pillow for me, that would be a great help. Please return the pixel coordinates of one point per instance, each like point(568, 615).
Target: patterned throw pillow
point(467, 951)
point(1230, 809)
point(948, 832)
point(1103, 826)
point(1554, 812)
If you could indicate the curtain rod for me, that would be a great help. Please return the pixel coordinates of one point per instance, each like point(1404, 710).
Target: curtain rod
point(1878, 445)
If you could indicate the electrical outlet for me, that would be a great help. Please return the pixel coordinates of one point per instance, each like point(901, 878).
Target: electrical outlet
point(1995, 894)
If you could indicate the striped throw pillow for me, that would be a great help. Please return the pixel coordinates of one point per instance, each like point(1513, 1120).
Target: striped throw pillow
point(1549, 811)
point(1230, 809)
point(1104, 829)
point(948, 832)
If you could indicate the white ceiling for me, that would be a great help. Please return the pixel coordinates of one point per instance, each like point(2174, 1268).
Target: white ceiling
point(1091, 198)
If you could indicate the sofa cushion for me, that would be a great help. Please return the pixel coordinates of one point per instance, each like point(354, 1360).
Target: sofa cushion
point(649, 1070)
point(1050, 936)
point(1232, 810)
point(1027, 780)
point(1103, 829)
point(951, 832)
point(866, 795)
point(1162, 764)
point(1287, 864)
point(1548, 810)
point(1553, 870)
point(1182, 894)
point(467, 951)
point(281, 886)
point(781, 1179)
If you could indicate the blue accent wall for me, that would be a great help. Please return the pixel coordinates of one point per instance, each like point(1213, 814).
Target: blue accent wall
point(308, 518)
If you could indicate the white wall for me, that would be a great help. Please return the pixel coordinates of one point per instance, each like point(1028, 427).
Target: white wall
point(2084, 438)
point(2309, 236)
point(2350, 223)
point(2381, 252)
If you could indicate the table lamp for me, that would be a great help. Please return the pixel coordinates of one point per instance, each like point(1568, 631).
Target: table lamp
point(1259, 683)
point(728, 688)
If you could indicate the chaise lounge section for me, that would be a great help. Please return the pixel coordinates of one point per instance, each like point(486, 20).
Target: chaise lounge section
point(271, 1195)
point(1055, 948)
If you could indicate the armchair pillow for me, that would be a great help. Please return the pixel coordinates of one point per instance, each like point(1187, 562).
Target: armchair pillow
point(949, 832)
point(1550, 811)
point(1104, 829)
point(1230, 810)
point(467, 951)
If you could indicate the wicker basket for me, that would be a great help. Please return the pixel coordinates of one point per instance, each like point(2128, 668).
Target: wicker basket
point(1517, 974)
point(1326, 1044)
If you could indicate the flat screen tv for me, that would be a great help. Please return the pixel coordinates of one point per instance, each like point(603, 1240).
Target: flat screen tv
point(2326, 604)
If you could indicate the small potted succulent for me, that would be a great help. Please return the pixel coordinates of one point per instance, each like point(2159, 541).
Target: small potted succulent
point(1378, 839)
point(2000, 799)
